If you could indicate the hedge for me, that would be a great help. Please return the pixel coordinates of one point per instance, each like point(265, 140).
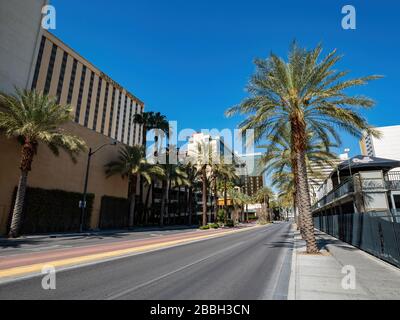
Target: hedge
point(114, 213)
point(49, 211)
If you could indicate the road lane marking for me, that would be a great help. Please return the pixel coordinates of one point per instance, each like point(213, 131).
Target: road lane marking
point(166, 275)
point(35, 269)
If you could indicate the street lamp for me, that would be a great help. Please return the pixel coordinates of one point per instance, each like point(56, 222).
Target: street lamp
point(82, 203)
point(347, 151)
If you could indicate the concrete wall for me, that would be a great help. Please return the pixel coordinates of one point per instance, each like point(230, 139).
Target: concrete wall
point(51, 172)
point(20, 30)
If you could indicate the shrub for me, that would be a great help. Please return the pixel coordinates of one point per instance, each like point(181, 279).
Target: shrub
point(114, 213)
point(47, 211)
point(214, 225)
point(230, 223)
point(207, 227)
point(221, 215)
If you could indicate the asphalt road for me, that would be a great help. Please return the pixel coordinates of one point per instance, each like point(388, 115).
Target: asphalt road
point(34, 244)
point(249, 265)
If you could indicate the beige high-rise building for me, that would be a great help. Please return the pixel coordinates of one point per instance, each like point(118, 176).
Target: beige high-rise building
point(103, 110)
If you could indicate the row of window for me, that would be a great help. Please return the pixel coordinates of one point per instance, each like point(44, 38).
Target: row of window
point(118, 113)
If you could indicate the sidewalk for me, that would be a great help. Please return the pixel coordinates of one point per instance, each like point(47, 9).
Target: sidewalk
point(319, 277)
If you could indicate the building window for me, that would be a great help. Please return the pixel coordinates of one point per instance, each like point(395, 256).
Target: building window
point(103, 120)
point(38, 63)
point(96, 110)
point(79, 104)
point(72, 81)
point(118, 112)
point(50, 69)
point(62, 75)
point(124, 119)
point(130, 121)
point(89, 99)
point(112, 112)
point(136, 127)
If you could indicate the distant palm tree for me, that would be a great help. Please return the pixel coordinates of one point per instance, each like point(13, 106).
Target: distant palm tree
point(174, 175)
point(193, 180)
point(35, 118)
point(203, 157)
point(132, 164)
point(306, 91)
point(151, 121)
point(263, 196)
point(228, 174)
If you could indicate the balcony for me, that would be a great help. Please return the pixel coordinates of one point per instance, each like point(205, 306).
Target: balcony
point(391, 182)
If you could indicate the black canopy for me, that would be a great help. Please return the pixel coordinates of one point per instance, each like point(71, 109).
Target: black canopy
point(362, 163)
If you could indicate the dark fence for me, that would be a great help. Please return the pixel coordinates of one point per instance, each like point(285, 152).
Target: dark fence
point(377, 233)
point(114, 213)
point(47, 211)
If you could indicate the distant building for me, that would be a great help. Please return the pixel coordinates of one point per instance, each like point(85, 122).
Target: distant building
point(218, 149)
point(254, 175)
point(388, 146)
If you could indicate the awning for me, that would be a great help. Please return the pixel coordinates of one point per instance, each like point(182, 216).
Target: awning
point(362, 163)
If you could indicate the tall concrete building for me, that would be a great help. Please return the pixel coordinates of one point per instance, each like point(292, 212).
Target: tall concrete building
point(102, 110)
point(388, 146)
point(20, 32)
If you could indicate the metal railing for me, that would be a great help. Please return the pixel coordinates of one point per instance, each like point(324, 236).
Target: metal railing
point(346, 187)
point(393, 180)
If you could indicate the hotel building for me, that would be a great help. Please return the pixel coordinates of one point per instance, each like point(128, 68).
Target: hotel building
point(102, 110)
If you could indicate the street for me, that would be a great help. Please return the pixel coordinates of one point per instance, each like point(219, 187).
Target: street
point(252, 264)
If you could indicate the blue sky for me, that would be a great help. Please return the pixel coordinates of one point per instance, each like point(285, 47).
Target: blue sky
point(192, 59)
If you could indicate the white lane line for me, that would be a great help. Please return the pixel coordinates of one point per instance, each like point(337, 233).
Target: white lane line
point(145, 284)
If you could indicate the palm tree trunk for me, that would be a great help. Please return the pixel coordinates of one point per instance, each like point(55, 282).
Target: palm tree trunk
point(163, 200)
point(27, 153)
point(299, 145)
point(306, 214)
point(19, 205)
point(146, 204)
point(168, 206)
point(190, 205)
point(132, 210)
point(216, 200)
point(204, 197)
point(226, 201)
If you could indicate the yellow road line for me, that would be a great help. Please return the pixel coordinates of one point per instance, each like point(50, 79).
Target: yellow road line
point(37, 268)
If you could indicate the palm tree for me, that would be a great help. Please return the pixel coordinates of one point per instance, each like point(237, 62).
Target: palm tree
point(35, 118)
point(151, 121)
point(279, 160)
point(263, 196)
point(203, 157)
point(228, 174)
point(132, 164)
point(306, 91)
point(174, 175)
point(193, 179)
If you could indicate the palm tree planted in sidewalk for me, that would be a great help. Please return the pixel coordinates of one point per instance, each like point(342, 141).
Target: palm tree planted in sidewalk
point(132, 164)
point(306, 91)
point(279, 161)
point(35, 118)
